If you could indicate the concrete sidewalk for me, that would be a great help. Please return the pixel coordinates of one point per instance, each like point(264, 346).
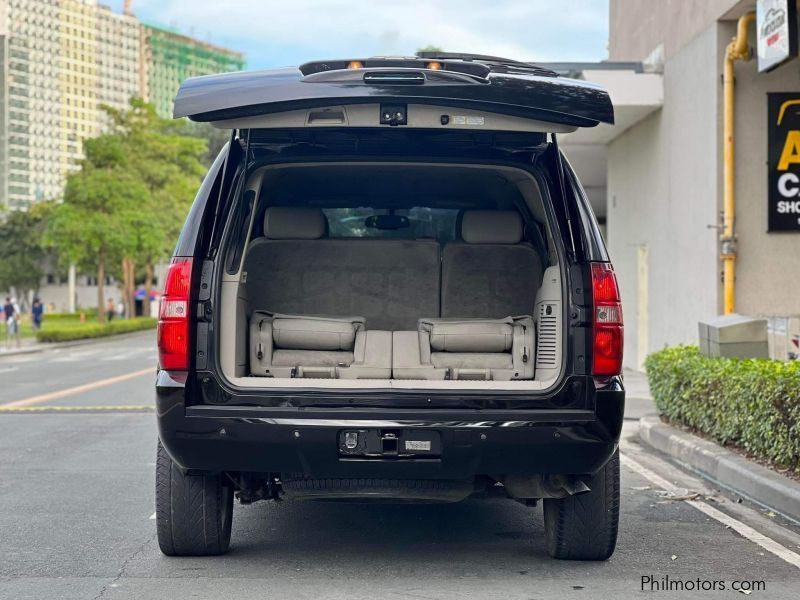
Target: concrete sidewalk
point(638, 401)
point(31, 346)
point(27, 345)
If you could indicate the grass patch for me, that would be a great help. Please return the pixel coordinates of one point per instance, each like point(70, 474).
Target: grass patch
point(753, 404)
point(67, 331)
point(88, 313)
point(53, 321)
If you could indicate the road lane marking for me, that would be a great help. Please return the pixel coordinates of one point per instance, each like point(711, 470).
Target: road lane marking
point(87, 387)
point(742, 529)
point(74, 356)
point(119, 357)
point(153, 517)
point(122, 408)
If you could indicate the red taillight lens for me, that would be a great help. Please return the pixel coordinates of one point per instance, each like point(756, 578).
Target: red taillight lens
point(173, 319)
point(607, 322)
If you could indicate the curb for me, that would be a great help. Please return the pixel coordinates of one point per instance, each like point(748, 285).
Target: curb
point(724, 468)
point(44, 347)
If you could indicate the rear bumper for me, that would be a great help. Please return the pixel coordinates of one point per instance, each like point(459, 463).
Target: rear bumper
point(474, 442)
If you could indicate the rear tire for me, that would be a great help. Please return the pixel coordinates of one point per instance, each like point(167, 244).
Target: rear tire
point(193, 512)
point(584, 527)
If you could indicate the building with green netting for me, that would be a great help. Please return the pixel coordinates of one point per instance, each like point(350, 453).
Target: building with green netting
point(171, 57)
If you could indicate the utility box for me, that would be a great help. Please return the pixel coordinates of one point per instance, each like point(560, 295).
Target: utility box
point(784, 338)
point(734, 336)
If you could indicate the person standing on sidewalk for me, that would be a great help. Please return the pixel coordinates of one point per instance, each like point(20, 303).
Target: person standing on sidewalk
point(11, 315)
point(37, 312)
point(110, 310)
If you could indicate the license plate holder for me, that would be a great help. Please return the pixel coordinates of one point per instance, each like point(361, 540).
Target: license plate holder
point(390, 443)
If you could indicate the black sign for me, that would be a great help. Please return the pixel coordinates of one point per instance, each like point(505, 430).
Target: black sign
point(783, 148)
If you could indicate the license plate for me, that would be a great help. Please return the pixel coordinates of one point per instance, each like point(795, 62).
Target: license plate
point(418, 445)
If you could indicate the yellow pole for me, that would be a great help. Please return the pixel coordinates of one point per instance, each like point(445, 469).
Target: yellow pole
point(737, 50)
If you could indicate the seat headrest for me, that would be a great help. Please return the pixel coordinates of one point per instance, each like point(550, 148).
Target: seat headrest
point(491, 227)
point(294, 223)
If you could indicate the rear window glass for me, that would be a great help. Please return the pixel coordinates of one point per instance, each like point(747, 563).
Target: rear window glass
point(412, 223)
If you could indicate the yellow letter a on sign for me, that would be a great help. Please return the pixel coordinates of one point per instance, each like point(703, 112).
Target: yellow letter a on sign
point(791, 151)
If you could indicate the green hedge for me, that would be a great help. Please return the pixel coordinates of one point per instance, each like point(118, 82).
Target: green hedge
point(93, 330)
point(753, 404)
point(89, 314)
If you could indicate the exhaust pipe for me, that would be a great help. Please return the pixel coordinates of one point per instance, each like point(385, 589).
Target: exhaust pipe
point(523, 487)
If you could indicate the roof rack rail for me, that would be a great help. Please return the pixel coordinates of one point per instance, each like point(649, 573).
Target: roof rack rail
point(488, 60)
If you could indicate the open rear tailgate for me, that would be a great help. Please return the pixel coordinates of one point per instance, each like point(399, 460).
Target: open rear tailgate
point(527, 93)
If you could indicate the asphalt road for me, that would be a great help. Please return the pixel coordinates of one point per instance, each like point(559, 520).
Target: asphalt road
point(76, 501)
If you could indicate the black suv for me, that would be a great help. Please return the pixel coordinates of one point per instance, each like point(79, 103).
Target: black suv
point(391, 287)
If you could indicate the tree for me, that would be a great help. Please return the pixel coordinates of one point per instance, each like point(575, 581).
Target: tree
point(21, 249)
point(430, 48)
point(126, 205)
point(90, 228)
point(169, 161)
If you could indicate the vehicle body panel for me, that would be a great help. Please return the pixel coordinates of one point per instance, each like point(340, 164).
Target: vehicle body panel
point(252, 439)
point(246, 94)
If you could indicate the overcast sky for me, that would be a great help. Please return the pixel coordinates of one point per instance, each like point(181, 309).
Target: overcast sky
point(290, 32)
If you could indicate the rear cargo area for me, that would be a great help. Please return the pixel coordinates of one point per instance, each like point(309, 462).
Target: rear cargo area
point(390, 274)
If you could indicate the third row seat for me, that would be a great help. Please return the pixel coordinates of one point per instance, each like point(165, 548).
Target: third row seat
point(466, 331)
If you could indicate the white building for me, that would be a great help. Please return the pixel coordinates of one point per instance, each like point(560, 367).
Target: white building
point(656, 178)
point(61, 59)
point(118, 58)
point(31, 131)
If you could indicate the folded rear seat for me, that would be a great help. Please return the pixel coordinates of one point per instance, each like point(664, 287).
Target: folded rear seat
point(317, 347)
point(492, 271)
point(294, 268)
point(483, 349)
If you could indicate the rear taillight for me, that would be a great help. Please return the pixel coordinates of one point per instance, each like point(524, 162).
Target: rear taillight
point(173, 318)
point(607, 322)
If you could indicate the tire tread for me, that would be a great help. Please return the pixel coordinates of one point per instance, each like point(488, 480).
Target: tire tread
point(193, 512)
point(584, 527)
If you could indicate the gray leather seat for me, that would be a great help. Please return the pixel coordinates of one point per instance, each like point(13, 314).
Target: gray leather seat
point(491, 272)
point(317, 347)
point(487, 275)
point(486, 349)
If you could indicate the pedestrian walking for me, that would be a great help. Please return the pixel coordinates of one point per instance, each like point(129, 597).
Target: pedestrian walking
point(11, 315)
point(110, 310)
point(37, 312)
